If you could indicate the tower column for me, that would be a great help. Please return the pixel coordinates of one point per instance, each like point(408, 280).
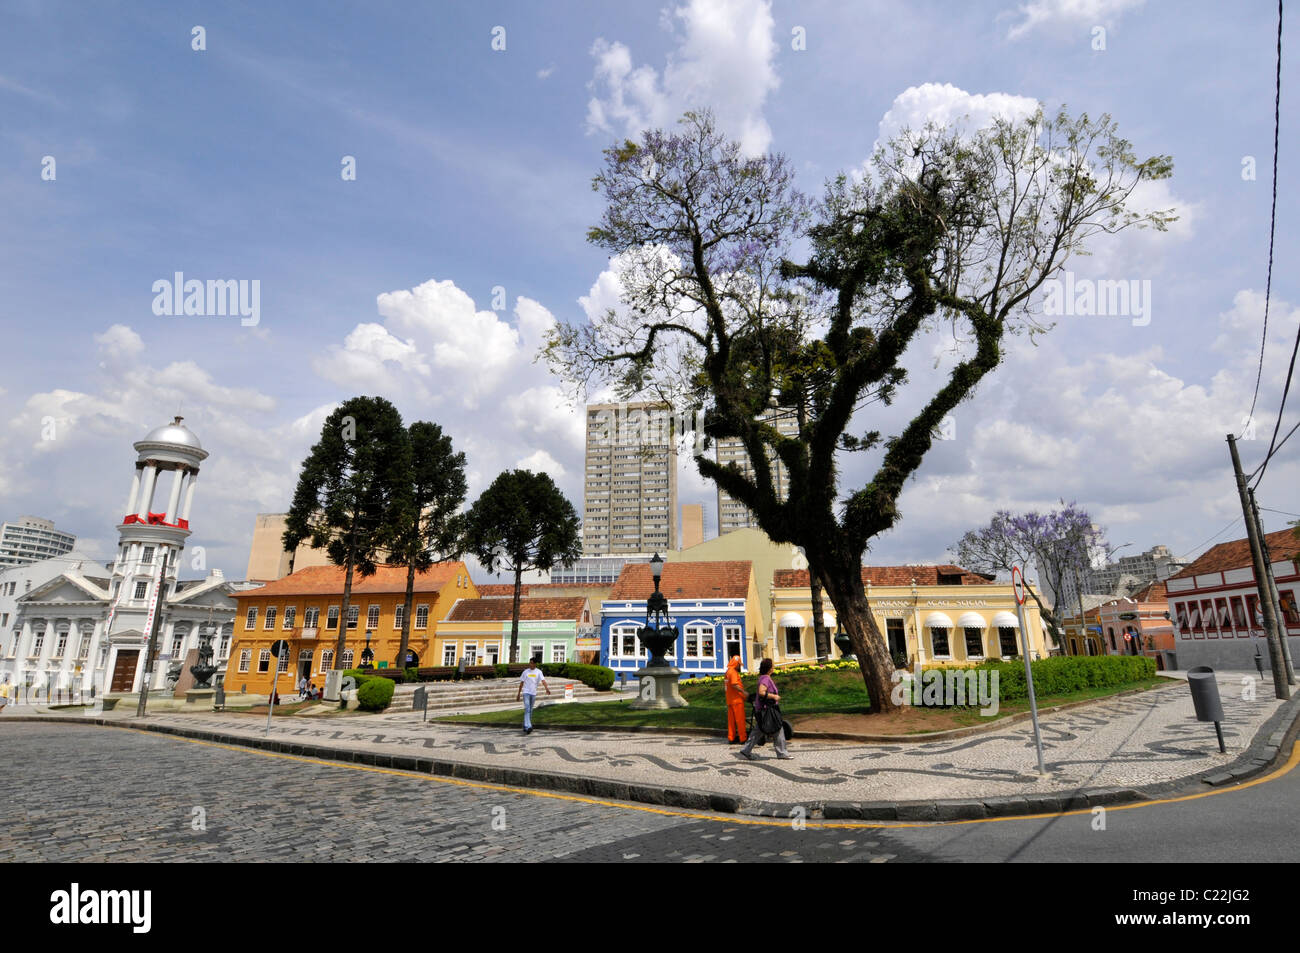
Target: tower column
point(175, 497)
point(135, 490)
point(146, 491)
point(189, 495)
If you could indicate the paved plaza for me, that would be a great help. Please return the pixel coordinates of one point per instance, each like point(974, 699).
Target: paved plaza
point(1148, 742)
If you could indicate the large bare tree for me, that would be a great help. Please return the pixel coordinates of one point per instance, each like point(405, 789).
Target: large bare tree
point(945, 225)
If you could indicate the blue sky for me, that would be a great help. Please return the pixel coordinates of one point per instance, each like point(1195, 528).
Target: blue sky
point(473, 173)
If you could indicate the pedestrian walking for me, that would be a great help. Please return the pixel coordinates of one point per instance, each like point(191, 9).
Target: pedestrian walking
point(767, 716)
point(302, 687)
point(528, 683)
point(735, 702)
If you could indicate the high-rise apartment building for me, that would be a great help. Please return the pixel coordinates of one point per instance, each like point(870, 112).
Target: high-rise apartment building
point(732, 514)
point(630, 484)
point(30, 539)
point(692, 524)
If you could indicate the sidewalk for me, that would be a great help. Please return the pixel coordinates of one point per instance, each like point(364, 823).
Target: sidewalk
point(1133, 748)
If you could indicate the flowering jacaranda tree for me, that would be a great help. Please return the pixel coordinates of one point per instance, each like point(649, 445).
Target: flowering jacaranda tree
point(1059, 543)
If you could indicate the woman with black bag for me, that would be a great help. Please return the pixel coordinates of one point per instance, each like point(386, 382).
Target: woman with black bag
point(767, 716)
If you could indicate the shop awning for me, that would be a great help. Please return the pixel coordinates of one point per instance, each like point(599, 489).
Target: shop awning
point(938, 620)
point(791, 620)
point(1005, 620)
point(971, 620)
point(828, 619)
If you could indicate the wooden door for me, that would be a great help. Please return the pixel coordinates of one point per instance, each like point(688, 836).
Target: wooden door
point(124, 671)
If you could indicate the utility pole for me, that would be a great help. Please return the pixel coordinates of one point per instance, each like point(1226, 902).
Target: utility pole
point(1280, 686)
point(1274, 598)
point(155, 616)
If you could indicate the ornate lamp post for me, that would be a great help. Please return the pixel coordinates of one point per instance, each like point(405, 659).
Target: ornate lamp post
point(658, 679)
point(367, 654)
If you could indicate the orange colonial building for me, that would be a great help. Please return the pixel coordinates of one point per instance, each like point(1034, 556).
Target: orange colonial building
point(303, 608)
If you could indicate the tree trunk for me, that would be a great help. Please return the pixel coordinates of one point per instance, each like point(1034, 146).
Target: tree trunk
point(849, 596)
point(406, 615)
point(821, 637)
point(341, 644)
point(514, 618)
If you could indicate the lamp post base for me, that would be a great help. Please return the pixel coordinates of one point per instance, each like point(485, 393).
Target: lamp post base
point(659, 688)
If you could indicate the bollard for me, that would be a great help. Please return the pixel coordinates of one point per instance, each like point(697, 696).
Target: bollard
point(1205, 698)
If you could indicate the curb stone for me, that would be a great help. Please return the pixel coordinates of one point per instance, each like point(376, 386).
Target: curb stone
point(1262, 755)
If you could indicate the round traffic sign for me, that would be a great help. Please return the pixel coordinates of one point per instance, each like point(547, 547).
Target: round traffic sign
point(278, 646)
point(1018, 584)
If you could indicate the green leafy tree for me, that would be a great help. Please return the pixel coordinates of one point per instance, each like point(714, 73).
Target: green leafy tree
point(522, 522)
point(352, 493)
point(946, 227)
point(432, 526)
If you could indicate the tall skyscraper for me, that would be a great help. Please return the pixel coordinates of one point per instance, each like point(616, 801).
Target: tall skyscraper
point(630, 487)
point(30, 539)
point(732, 514)
point(692, 524)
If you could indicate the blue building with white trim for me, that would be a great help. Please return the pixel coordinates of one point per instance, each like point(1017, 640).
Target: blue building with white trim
point(714, 606)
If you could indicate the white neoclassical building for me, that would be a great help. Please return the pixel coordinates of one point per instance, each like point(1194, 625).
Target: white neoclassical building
point(87, 626)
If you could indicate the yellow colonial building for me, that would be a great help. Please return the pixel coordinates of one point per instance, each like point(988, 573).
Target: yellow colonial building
point(304, 609)
point(935, 615)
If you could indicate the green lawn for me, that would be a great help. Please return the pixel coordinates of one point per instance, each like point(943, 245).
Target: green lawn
point(806, 697)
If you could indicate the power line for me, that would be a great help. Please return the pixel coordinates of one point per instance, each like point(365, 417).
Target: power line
point(1279, 512)
point(1197, 548)
point(1268, 283)
point(1272, 453)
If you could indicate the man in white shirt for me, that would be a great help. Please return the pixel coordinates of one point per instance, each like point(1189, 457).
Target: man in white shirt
point(528, 682)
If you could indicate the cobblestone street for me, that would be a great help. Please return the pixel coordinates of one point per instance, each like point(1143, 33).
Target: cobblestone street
point(90, 794)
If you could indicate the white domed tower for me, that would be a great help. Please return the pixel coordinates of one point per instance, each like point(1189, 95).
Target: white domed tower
point(152, 533)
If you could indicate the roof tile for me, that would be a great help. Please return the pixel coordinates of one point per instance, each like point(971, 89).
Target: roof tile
point(724, 579)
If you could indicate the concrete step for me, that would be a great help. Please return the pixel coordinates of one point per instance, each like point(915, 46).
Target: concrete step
point(444, 695)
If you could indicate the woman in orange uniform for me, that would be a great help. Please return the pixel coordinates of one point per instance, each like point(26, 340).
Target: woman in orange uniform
point(736, 696)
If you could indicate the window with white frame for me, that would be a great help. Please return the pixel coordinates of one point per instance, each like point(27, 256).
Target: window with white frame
point(264, 661)
point(470, 653)
point(974, 642)
point(178, 640)
point(245, 658)
point(559, 652)
point(492, 653)
point(449, 653)
point(290, 613)
point(399, 614)
point(1007, 641)
point(38, 641)
point(270, 618)
point(61, 645)
point(250, 620)
point(141, 588)
point(354, 614)
point(224, 651)
point(421, 617)
point(347, 658)
point(372, 617)
point(332, 618)
point(793, 640)
point(282, 663)
point(939, 641)
point(537, 650)
point(83, 650)
point(623, 642)
point(147, 556)
point(311, 617)
point(326, 659)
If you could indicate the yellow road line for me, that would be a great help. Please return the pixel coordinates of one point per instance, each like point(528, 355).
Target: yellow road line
point(724, 818)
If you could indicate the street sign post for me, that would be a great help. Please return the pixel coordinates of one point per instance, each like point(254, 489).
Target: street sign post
point(278, 646)
point(1018, 587)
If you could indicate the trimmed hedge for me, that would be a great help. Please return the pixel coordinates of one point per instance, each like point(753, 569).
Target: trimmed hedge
point(1061, 675)
point(375, 694)
point(597, 676)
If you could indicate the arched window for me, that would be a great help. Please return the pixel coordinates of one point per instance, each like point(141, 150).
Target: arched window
point(623, 642)
point(699, 641)
point(347, 658)
point(326, 660)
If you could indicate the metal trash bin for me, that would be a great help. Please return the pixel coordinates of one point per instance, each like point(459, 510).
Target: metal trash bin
point(219, 699)
point(1205, 698)
point(1205, 693)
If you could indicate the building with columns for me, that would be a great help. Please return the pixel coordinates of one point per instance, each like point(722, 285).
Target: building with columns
point(87, 626)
